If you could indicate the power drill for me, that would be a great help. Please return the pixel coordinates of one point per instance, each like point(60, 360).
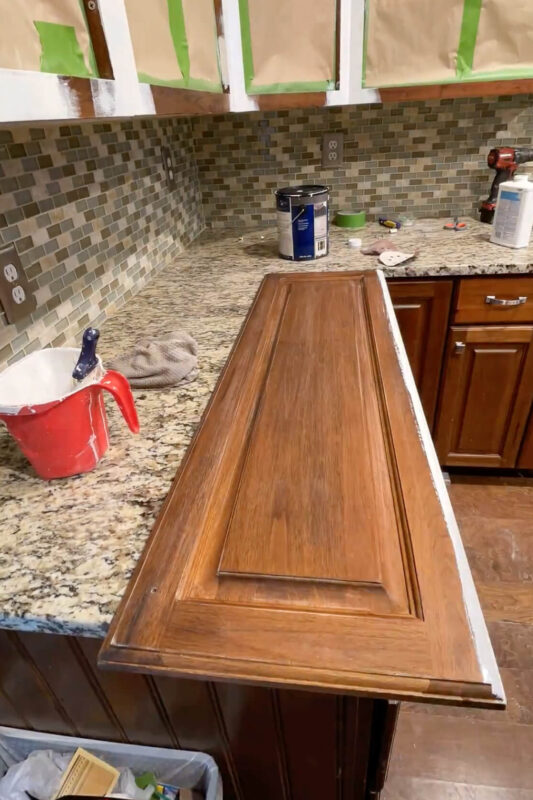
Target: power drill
point(505, 161)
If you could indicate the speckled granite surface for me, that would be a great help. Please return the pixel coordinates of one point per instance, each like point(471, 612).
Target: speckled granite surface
point(68, 547)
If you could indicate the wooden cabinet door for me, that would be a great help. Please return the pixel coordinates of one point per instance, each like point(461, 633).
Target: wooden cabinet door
point(408, 49)
point(486, 395)
point(422, 310)
point(288, 48)
point(304, 543)
point(50, 36)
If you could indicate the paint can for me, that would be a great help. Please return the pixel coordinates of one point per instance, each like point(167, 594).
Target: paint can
point(303, 226)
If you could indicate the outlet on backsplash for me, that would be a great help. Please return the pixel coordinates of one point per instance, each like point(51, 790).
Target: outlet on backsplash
point(15, 295)
point(332, 149)
point(168, 166)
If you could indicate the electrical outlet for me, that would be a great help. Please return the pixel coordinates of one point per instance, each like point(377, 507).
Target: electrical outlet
point(15, 294)
point(332, 150)
point(168, 166)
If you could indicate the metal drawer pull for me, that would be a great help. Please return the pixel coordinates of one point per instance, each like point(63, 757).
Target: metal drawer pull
point(492, 300)
point(460, 347)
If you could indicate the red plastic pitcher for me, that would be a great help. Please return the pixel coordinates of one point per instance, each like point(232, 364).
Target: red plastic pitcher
point(60, 424)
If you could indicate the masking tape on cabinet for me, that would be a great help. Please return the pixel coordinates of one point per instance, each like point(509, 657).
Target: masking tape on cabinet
point(153, 46)
point(47, 36)
point(504, 39)
point(467, 39)
point(411, 42)
point(175, 43)
point(433, 41)
point(287, 47)
point(201, 29)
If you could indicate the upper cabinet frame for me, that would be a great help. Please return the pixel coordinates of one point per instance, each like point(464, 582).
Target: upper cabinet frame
point(110, 69)
point(28, 95)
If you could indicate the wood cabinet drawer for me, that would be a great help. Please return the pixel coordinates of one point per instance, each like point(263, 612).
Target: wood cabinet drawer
point(478, 300)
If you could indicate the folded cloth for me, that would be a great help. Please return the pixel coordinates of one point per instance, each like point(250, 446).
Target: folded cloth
point(377, 247)
point(154, 363)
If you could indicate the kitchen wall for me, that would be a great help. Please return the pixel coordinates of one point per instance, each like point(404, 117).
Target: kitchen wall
point(423, 158)
point(88, 209)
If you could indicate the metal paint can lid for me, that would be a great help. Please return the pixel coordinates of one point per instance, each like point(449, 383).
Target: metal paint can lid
point(303, 191)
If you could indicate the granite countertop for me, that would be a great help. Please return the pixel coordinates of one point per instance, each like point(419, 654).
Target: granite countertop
point(68, 547)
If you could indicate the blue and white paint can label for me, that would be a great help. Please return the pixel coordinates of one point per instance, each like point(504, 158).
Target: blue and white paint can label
point(302, 213)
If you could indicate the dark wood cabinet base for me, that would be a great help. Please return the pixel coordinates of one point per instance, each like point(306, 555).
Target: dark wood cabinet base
point(269, 744)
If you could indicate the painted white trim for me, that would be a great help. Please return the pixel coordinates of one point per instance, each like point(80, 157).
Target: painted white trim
point(128, 97)
point(239, 100)
point(357, 93)
point(341, 96)
point(480, 636)
point(26, 95)
point(351, 92)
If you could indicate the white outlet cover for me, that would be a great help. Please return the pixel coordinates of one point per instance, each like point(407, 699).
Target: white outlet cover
point(10, 273)
point(332, 150)
point(18, 294)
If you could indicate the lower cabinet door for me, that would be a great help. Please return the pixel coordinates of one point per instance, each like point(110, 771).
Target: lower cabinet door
point(525, 457)
point(422, 309)
point(485, 396)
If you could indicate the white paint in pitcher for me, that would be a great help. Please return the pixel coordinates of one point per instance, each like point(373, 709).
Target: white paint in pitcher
point(43, 377)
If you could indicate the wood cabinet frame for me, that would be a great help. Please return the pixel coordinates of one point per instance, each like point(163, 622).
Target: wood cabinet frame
point(31, 96)
point(423, 309)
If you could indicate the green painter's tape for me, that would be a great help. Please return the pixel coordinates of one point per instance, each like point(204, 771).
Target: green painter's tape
point(365, 41)
point(176, 20)
point(467, 38)
point(465, 55)
point(178, 83)
point(198, 84)
point(350, 219)
point(274, 88)
point(246, 38)
point(302, 86)
point(60, 51)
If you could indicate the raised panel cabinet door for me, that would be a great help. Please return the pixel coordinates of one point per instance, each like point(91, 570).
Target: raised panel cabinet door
point(175, 44)
point(47, 36)
point(304, 542)
point(287, 47)
point(422, 310)
point(486, 395)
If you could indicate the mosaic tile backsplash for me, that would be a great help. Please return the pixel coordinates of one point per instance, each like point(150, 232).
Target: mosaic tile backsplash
point(88, 207)
point(91, 216)
point(419, 158)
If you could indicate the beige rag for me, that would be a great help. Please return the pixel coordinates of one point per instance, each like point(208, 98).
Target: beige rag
point(155, 363)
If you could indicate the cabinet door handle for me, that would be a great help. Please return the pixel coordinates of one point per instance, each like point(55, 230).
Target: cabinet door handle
point(459, 349)
point(492, 300)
